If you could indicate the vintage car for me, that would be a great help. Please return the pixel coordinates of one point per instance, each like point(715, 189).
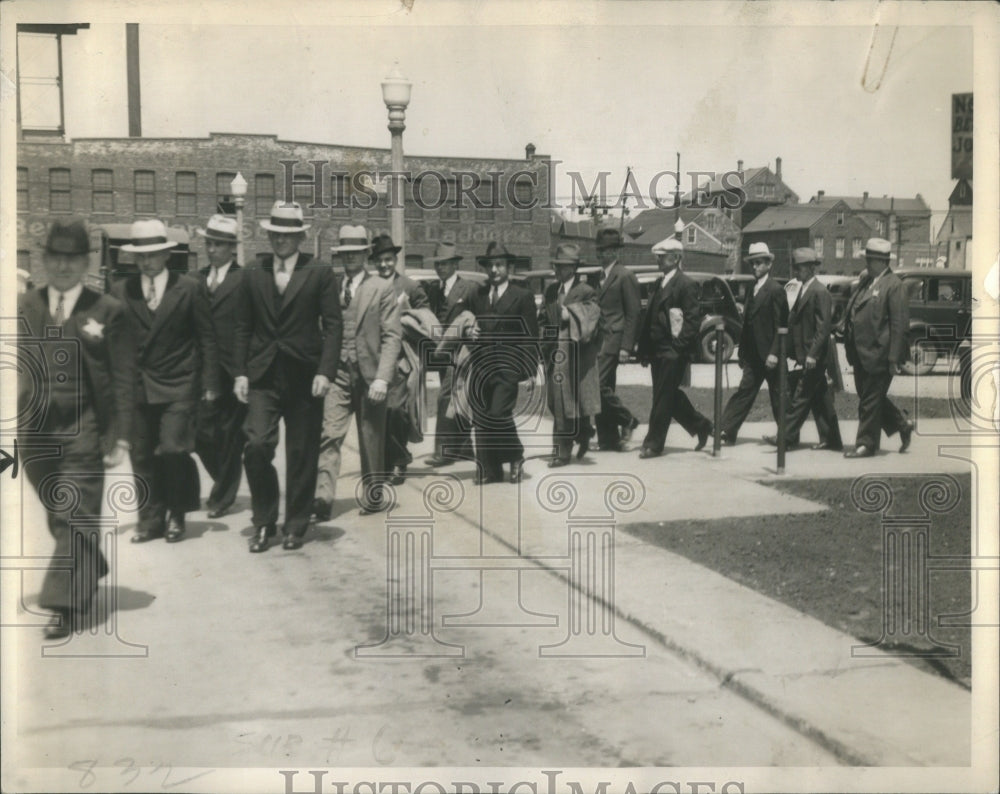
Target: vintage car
point(940, 315)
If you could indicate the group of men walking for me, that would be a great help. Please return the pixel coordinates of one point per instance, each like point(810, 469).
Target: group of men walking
point(170, 364)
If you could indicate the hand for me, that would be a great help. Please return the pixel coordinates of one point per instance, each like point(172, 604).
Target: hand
point(210, 396)
point(321, 385)
point(241, 388)
point(771, 362)
point(473, 332)
point(117, 454)
point(623, 356)
point(810, 362)
point(376, 392)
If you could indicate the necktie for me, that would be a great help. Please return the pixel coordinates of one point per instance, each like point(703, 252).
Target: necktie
point(60, 316)
point(213, 280)
point(151, 301)
point(444, 289)
point(281, 277)
point(493, 297)
point(347, 292)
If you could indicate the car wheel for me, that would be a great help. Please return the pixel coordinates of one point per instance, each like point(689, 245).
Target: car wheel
point(922, 359)
point(707, 346)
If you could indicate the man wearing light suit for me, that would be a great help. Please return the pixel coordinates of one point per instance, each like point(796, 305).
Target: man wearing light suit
point(368, 359)
point(877, 325)
point(288, 334)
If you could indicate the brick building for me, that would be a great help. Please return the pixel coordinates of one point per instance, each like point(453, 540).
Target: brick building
point(955, 235)
point(183, 181)
point(902, 221)
point(764, 188)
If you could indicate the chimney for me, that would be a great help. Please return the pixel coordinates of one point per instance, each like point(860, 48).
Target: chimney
point(864, 198)
point(777, 167)
point(529, 151)
point(132, 79)
point(739, 166)
point(819, 195)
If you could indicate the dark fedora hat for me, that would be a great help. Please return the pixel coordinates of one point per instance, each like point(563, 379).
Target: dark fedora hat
point(445, 252)
point(608, 238)
point(68, 236)
point(567, 254)
point(383, 244)
point(495, 250)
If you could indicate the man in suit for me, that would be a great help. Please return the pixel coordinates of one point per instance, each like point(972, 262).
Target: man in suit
point(809, 321)
point(287, 341)
point(449, 297)
point(877, 326)
point(174, 352)
point(569, 322)
point(618, 295)
point(666, 342)
point(368, 359)
point(220, 438)
point(410, 296)
point(82, 413)
point(505, 353)
point(765, 312)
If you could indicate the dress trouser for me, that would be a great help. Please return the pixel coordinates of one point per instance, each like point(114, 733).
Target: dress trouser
point(397, 424)
point(876, 412)
point(739, 405)
point(219, 442)
point(497, 441)
point(670, 402)
point(810, 392)
point(452, 435)
point(284, 392)
point(614, 415)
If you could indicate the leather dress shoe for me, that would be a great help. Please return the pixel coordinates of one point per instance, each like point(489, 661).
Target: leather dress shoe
point(292, 542)
point(773, 441)
point(646, 452)
point(261, 537)
point(906, 435)
point(516, 471)
point(145, 537)
point(860, 452)
point(612, 447)
point(584, 442)
point(703, 435)
point(827, 445)
point(218, 512)
point(398, 476)
point(60, 625)
point(628, 430)
point(437, 461)
point(726, 439)
point(175, 528)
point(556, 463)
point(321, 509)
point(485, 477)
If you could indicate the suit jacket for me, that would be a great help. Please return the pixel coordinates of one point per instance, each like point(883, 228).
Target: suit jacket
point(570, 350)
point(621, 306)
point(878, 323)
point(657, 338)
point(174, 348)
point(305, 323)
point(379, 336)
point(809, 324)
point(764, 314)
point(225, 301)
point(512, 324)
point(93, 355)
point(458, 300)
point(415, 295)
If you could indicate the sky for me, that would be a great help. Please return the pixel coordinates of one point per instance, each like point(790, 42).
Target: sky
point(597, 94)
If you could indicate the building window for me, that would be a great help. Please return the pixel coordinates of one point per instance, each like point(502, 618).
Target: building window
point(840, 248)
point(880, 227)
point(145, 192)
point(24, 261)
point(263, 193)
point(187, 193)
point(840, 218)
point(102, 190)
point(692, 235)
point(304, 193)
point(60, 199)
point(818, 246)
point(412, 210)
point(223, 193)
point(524, 192)
point(449, 212)
point(340, 196)
point(379, 210)
point(857, 248)
point(484, 193)
point(22, 189)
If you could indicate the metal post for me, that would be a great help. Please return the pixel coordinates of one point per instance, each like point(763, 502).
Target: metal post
point(782, 394)
point(239, 232)
point(396, 221)
point(720, 330)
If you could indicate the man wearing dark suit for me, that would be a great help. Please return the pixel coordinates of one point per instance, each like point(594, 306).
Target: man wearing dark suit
point(169, 321)
point(621, 307)
point(451, 296)
point(84, 406)
point(409, 295)
point(809, 323)
point(877, 325)
point(765, 312)
point(368, 358)
point(505, 353)
point(666, 343)
point(288, 334)
point(219, 440)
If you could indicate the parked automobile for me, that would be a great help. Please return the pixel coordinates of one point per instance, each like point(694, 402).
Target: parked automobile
point(741, 285)
point(840, 288)
point(110, 264)
point(940, 315)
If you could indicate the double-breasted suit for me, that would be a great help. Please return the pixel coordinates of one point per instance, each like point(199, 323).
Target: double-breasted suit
point(282, 342)
point(369, 351)
point(411, 295)
point(220, 438)
point(621, 310)
point(666, 342)
point(877, 323)
point(175, 359)
point(505, 354)
point(75, 401)
point(452, 435)
point(764, 314)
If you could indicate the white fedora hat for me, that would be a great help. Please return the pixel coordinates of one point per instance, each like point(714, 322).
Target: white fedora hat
point(758, 251)
point(147, 236)
point(221, 229)
point(286, 218)
point(352, 238)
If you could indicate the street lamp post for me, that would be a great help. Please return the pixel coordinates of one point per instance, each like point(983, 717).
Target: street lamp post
point(239, 192)
point(396, 95)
